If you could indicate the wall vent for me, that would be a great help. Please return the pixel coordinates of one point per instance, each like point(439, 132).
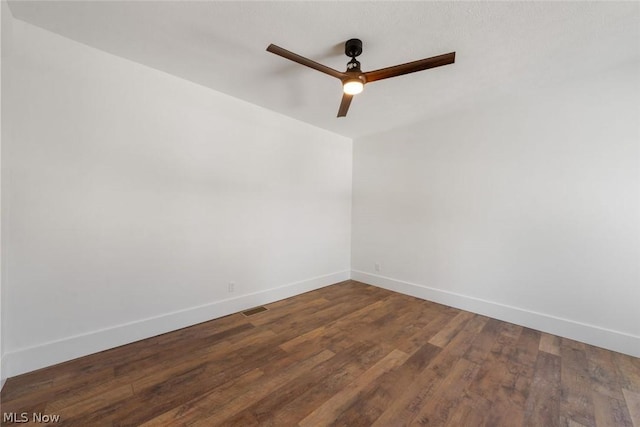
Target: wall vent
point(253, 311)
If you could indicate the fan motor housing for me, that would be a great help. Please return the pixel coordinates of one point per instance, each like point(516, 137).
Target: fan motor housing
point(353, 48)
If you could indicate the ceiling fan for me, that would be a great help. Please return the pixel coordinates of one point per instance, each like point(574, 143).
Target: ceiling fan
point(353, 80)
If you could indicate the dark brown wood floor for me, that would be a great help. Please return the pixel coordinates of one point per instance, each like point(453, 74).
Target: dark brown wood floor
point(347, 355)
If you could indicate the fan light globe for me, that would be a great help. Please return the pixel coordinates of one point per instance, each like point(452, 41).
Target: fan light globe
point(353, 87)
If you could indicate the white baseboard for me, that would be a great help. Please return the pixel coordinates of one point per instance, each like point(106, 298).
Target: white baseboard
point(3, 371)
point(590, 334)
point(47, 354)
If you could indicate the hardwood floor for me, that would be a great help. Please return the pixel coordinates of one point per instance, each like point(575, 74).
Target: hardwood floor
point(345, 355)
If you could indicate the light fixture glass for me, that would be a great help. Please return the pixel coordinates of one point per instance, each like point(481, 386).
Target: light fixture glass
point(353, 86)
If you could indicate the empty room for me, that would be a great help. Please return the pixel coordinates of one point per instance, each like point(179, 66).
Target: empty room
point(320, 213)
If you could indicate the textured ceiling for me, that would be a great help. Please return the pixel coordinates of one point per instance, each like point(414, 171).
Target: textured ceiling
point(502, 49)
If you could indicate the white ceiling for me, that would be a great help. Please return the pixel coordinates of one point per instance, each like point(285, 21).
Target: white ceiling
point(502, 49)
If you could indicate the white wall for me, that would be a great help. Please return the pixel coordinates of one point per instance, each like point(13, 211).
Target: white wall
point(527, 210)
point(4, 19)
point(132, 198)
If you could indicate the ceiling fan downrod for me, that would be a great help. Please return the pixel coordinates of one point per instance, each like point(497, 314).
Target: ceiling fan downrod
point(353, 48)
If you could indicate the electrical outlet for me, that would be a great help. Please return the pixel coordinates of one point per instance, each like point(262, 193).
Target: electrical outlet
point(376, 266)
point(232, 286)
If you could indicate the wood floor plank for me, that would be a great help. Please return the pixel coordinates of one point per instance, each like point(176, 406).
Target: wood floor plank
point(91, 401)
point(466, 415)
point(374, 398)
point(56, 389)
point(527, 347)
point(632, 399)
point(295, 311)
point(414, 395)
point(413, 342)
point(497, 390)
point(443, 337)
point(349, 354)
point(576, 402)
point(201, 406)
point(483, 342)
point(330, 409)
point(565, 422)
point(217, 407)
point(629, 371)
point(502, 385)
point(186, 347)
point(610, 412)
point(331, 383)
point(230, 356)
point(542, 407)
point(304, 394)
point(65, 400)
point(181, 388)
point(331, 334)
point(447, 397)
point(549, 344)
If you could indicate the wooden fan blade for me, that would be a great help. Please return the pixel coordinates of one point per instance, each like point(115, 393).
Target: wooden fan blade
point(344, 104)
point(410, 67)
point(304, 61)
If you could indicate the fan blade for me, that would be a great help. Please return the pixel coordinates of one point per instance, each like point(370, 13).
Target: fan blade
point(410, 67)
point(344, 105)
point(304, 61)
